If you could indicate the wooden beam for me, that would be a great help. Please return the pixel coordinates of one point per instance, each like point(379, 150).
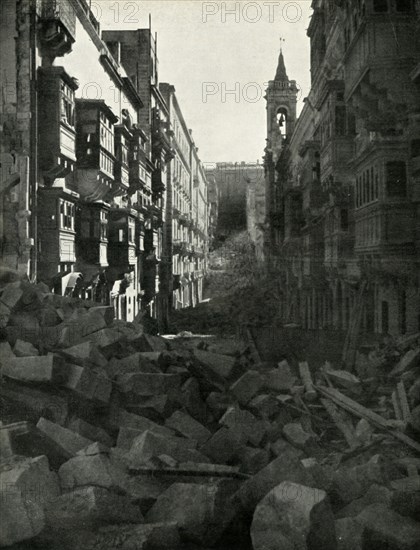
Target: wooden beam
point(362, 412)
point(343, 423)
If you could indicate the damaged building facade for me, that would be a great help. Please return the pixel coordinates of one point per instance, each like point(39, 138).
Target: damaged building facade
point(343, 180)
point(238, 187)
point(87, 149)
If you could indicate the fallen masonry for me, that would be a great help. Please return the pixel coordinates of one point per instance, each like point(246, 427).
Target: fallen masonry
point(113, 438)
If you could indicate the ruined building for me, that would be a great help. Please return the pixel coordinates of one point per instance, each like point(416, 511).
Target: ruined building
point(343, 180)
point(86, 151)
point(232, 180)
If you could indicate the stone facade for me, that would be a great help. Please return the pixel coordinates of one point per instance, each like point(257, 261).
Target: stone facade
point(342, 181)
point(85, 157)
point(232, 180)
point(187, 211)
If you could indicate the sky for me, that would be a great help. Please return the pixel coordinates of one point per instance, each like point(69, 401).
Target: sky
point(220, 56)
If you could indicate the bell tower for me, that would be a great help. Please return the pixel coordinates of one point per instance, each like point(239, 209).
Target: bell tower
point(281, 97)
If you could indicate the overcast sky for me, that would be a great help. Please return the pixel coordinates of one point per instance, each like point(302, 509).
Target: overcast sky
point(207, 49)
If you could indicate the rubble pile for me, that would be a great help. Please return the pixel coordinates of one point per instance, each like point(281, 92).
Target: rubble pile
point(113, 438)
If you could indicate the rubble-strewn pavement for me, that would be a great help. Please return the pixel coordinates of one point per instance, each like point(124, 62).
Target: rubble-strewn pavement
point(111, 438)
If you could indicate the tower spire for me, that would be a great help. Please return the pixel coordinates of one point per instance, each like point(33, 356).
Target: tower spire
point(281, 74)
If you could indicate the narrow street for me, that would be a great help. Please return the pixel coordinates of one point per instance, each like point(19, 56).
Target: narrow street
point(113, 438)
point(209, 275)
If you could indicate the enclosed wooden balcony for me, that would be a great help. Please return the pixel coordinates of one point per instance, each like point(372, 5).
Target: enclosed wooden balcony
point(57, 122)
point(95, 149)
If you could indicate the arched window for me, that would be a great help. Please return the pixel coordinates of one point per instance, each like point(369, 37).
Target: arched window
point(282, 120)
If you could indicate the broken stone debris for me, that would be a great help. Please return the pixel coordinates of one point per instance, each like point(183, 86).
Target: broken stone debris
point(153, 442)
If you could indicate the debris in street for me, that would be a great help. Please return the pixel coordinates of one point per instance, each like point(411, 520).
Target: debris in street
point(143, 434)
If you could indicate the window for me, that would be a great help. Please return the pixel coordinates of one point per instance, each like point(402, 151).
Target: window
point(380, 6)
point(104, 225)
point(67, 105)
point(120, 235)
point(106, 133)
point(131, 238)
point(396, 179)
point(403, 5)
point(415, 148)
point(67, 212)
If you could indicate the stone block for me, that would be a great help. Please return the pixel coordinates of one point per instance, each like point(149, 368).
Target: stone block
point(375, 494)
point(120, 419)
point(349, 533)
point(90, 507)
point(96, 469)
point(49, 317)
point(150, 445)
point(107, 313)
point(266, 406)
point(12, 294)
point(5, 352)
point(244, 424)
point(135, 363)
point(406, 503)
point(26, 488)
point(297, 436)
point(280, 445)
point(23, 402)
point(126, 436)
point(148, 383)
point(154, 407)
point(147, 536)
point(84, 355)
point(108, 340)
point(348, 484)
point(293, 516)
point(247, 386)
point(219, 402)
point(279, 379)
point(4, 315)
point(45, 368)
point(201, 511)
point(222, 365)
point(93, 433)
point(286, 467)
point(147, 342)
point(253, 460)
point(67, 441)
point(185, 425)
point(193, 401)
point(24, 349)
point(81, 328)
point(223, 446)
point(384, 528)
point(89, 384)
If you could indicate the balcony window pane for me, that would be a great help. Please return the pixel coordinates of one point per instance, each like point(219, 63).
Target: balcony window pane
point(396, 179)
point(380, 6)
point(403, 5)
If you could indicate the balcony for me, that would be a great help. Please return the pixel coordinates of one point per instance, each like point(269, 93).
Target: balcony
point(181, 247)
point(121, 166)
point(58, 27)
point(57, 132)
point(92, 234)
point(161, 141)
point(95, 150)
point(385, 229)
point(56, 224)
point(377, 45)
point(122, 238)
